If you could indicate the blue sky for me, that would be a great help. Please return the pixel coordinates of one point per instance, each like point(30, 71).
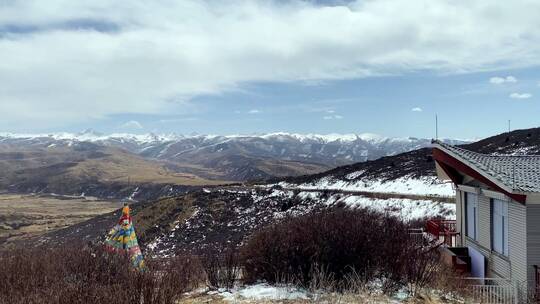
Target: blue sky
point(257, 67)
point(468, 106)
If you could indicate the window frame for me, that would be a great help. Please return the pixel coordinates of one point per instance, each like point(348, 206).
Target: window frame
point(501, 212)
point(475, 221)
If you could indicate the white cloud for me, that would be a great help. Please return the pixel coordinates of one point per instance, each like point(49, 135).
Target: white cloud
point(501, 80)
point(330, 117)
point(177, 120)
point(417, 109)
point(132, 124)
point(511, 79)
point(496, 80)
point(310, 108)
point(520, 95)
point(159, 54)
point(254, 111)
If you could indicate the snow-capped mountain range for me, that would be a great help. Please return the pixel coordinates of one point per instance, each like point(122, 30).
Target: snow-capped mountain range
point(329, 150)
point(91, 135)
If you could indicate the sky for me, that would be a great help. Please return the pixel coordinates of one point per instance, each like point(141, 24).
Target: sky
point(244, 67)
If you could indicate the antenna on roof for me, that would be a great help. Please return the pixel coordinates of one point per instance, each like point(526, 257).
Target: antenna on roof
point(513, 174)
point(436, 127)
point(509, 126)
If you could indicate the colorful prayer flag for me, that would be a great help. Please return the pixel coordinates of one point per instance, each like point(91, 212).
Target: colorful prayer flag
point(122, 239)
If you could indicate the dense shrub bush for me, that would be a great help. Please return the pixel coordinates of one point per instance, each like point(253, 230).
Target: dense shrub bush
point(337, 244)
point(81, 274)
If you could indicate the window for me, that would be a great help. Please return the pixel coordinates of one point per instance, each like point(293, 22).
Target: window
point(499, 226)
point(471, 215)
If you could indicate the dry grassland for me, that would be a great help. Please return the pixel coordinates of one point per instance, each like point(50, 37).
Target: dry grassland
point(25, 216)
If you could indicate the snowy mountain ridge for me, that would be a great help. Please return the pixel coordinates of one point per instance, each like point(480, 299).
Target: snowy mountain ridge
point(227, 157)
point(90, 135)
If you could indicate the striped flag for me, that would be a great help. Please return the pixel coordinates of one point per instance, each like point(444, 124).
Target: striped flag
point(122, 239)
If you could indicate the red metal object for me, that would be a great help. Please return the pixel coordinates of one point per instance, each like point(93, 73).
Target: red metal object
point(445, 229)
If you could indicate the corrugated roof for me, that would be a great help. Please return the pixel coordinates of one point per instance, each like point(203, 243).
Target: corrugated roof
point(517, 172)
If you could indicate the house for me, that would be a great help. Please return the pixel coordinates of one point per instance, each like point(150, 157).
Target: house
point(497, 211)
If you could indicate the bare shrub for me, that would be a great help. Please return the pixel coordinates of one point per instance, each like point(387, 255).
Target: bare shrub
point(80, 274)
point(175, 276)
point(422, 272)
point(222, 268)
point(230, 268)
point(337, 249)
point(211, 265)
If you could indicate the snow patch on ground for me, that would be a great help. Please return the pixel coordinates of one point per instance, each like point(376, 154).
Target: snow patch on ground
point(264, 291)
point(354, 175)
point(426, 185)
point(407, 209)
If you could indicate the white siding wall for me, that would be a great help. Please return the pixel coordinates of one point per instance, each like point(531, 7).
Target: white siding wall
point(460, 227)
point(484, 220)
point(517, 240)
point(483, 243)
point(514, 265)
point(499, 266)
point(533, 241)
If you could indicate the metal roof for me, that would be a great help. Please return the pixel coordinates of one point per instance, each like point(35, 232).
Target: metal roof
point(517, 172)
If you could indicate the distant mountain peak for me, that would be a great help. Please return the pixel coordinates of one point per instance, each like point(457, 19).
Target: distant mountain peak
point(360, 139)
point(90, 132)
point(371, 137)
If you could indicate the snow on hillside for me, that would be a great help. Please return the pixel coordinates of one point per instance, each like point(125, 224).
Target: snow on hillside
point(249, 209)
point(407, 209)
point(426, 185)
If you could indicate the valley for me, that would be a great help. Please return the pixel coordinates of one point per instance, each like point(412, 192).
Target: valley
point(23, 217)
point(82, 163)
point(175, 212)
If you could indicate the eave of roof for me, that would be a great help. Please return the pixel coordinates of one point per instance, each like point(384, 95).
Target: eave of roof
point(449, 160)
